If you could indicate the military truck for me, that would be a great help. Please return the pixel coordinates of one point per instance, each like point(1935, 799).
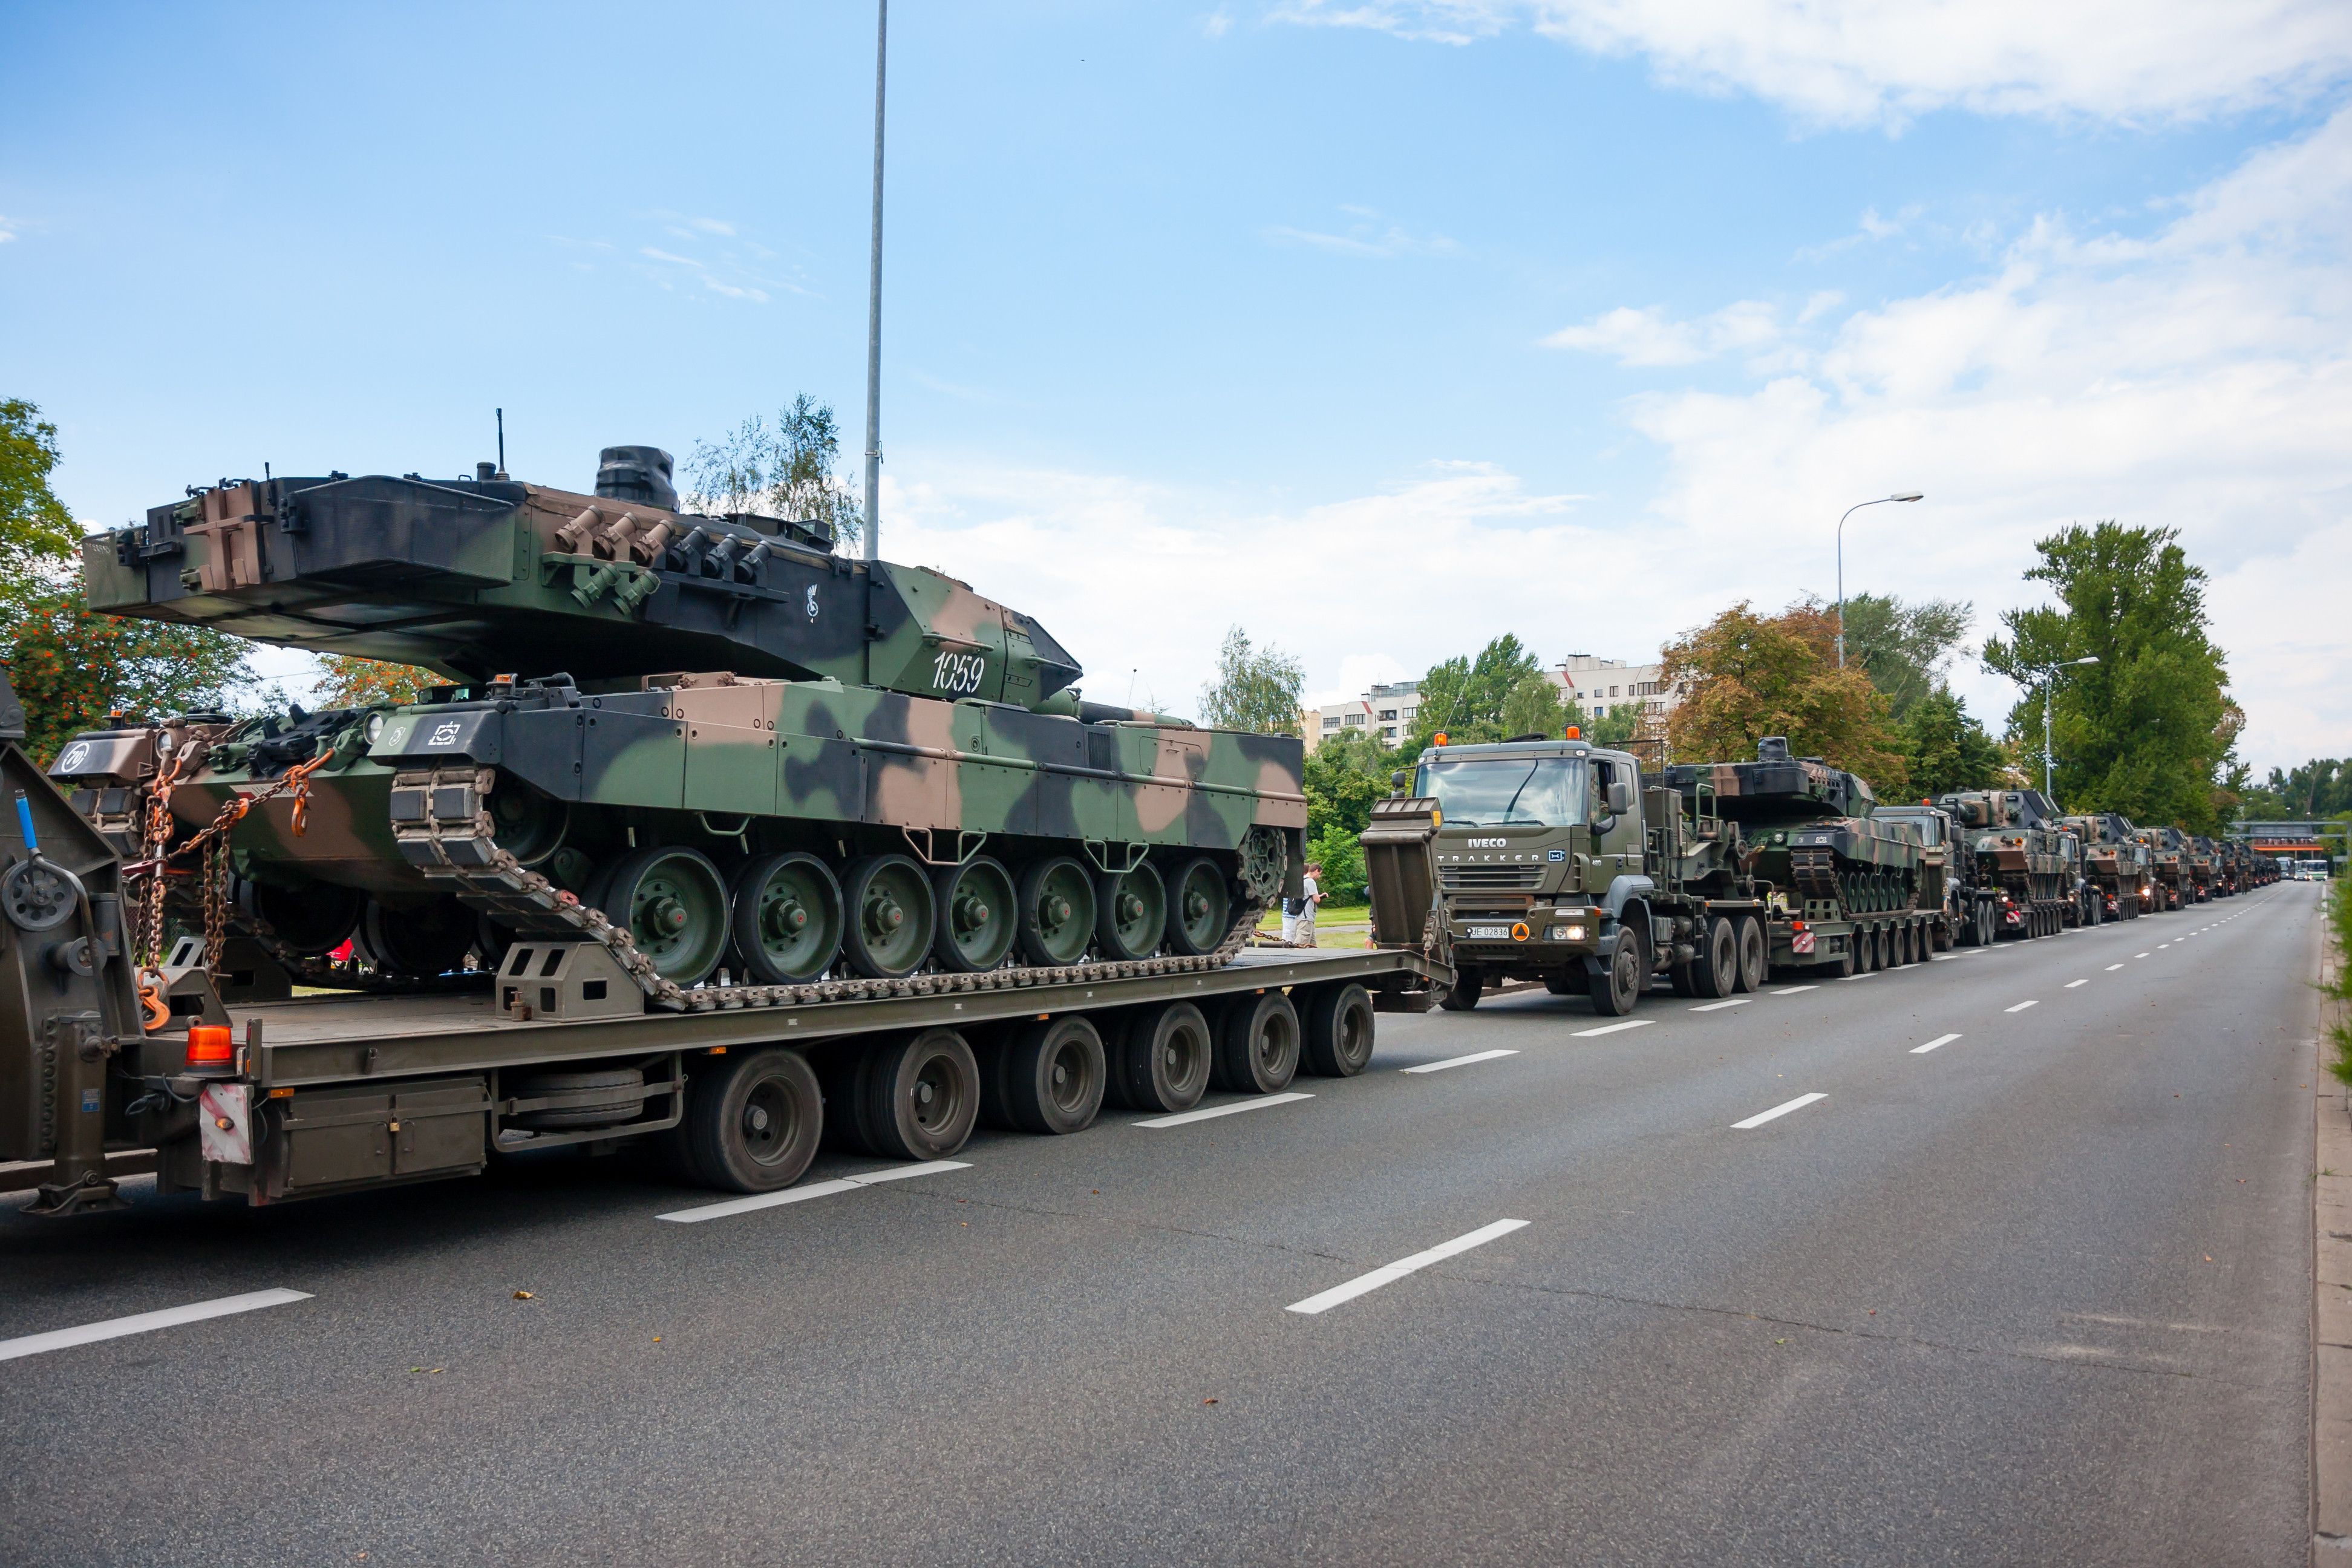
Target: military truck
point(2167, 850)
point(1948, 875)
point(2204, 867)
point(2116, 862)
point(2014, 839)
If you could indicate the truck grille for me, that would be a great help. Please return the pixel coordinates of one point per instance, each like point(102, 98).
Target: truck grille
point(1491, 878)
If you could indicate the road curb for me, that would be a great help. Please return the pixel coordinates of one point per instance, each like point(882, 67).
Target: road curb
point(2331, 1307)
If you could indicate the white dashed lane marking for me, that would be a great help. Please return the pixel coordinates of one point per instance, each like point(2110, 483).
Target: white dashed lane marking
point(1931, 1045)
point(1762, 1117)
point(1389, 1273)
point(1184, 1118)
point(1719, 1006)
point(1461, 1061)
point(1615, 1028)
point(813, 1190)
point(148, 1322)
point(1793, 990)
point(2021, 1007)
point(2113, 967)
point(2072, 984)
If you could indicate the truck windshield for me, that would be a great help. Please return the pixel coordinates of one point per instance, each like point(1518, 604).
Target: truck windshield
point(1495, 791)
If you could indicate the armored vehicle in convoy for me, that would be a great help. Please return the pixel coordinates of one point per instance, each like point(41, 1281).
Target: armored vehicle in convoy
point(2116, 862)
point(2014, 838)
point(2167, 851)
point(1948, 874)
point(2204, 857)
point(761, 765)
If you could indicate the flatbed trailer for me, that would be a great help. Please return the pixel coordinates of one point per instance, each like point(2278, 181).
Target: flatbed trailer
point(105, 1072)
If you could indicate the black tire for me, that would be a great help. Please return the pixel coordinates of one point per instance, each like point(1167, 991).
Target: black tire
point(1164, 1059)
point(431, 939)
point(673, 902)
point(787, 921)
point(977, 917)
point(888, 916)
point(1715, 971)
point(606, 1098)
point(1618, 988)
point(1057, 912)
point(1336, 1029)
point(919, 1097)
point(1257, 1044)
point(1130, 913)
point(1565, 982)
point(1846, 962)
point(1681, 981)
point(1986, 933)
point(753, 1124)
point(1200, 907)
point(1755, 954)
point(1052, 1075)
point(1463, 995)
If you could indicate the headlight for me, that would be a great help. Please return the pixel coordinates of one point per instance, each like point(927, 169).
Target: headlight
point(1563, 933)
point(375, 727)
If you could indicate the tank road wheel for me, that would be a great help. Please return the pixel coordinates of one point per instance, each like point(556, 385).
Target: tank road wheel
point(1615, 990)
point(1200, 907)
point(431, 939)
point(1715, 971)
point(1337, 1021)
point(1131, 911)
point(1053, 1073)
point(1057, 912)
point(890, 916)
point(787, 918)
point(752, 1122)
point(1163, 1059)
point(674, 903)
point(976, 914)
point(1257, 1044)
point(1754, 955)
point(310, 922)
point(918, 1097)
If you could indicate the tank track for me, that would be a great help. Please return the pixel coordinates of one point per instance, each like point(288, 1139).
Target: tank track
point(443, 827)
point(1814, 870)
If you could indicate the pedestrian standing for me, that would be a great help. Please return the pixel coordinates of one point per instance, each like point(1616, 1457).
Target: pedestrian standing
point(1311, 891)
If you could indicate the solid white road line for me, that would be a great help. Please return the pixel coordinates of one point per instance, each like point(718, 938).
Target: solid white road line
point(2021, 1007)
point(1719, 1006)
point(1793, 990)
point(1931, 1045)
point(1461, 1061)
point(1614, 1028)
point(1212, 1112)
point(2113, 967)
point(2072, 984)
point(1798, 1103)
point(813, 1190)
point(1389, 1273)
point(146, 1322)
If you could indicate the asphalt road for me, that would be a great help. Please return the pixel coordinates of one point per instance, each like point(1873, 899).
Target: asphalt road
point(2041, 1294)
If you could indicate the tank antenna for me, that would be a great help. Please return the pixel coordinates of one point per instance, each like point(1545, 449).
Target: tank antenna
point(873, 303)
point(502, 443)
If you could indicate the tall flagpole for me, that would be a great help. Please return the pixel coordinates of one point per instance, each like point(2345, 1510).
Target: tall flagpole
point(874, 308)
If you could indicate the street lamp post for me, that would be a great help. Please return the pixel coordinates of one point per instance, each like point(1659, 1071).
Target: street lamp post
point(2049, 680)
point(1900, 495)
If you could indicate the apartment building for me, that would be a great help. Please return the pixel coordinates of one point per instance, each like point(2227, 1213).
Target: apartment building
point(1589, 687)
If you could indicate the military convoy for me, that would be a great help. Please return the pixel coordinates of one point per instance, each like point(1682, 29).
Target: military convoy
point(2115, 864)
point(713, 837)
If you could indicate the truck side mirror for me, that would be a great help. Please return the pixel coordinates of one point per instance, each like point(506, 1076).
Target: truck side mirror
point(1620, 797)
point(1399, 780)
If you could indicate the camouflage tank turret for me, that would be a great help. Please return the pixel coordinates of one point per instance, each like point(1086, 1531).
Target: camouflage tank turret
point(2015, 837)
point(758, 755)
point(1808, 830)
point(2116, 862)
point(2204, 867)
point(2168, 854)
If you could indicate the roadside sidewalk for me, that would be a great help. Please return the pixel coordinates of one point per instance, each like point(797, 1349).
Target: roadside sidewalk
point(2331, 1314)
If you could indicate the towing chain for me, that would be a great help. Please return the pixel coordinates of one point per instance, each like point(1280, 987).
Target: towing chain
point(441, 822)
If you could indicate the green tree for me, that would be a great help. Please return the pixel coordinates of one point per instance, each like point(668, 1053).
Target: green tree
point(1344, 775)
point(1342, 858)
point(1255, 690)
point(1464, 696)
point(75, 670)
point(1904, 647)
point(1620, 725)
point(37, 533)
point(1944, 748)
point(348, 681)
point(790, 471)
point(2150, 730)
point(1747, 675)
point(1532, 707)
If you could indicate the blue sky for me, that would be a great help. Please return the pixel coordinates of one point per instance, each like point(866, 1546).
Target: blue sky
point(1376, 328)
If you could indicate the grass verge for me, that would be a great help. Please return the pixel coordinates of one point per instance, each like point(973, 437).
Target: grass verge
point(2339, 985)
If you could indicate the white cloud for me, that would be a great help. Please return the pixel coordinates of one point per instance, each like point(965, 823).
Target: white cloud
point(1647, 338)
point(7, 228)
point(1369, 235)
point(1874, 61)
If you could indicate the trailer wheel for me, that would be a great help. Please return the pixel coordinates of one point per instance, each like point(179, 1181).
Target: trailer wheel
point(919, 1097)
point(1615, 990)
point(1986, 933)
point(1463, 995)
point(1715, 971)
point(1337, 1020)
point(1755, 956)
point(752, 1122)
point(1051, 1074)
point(1257, 1044)
point(1164, 1059)
point(601, 1098)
